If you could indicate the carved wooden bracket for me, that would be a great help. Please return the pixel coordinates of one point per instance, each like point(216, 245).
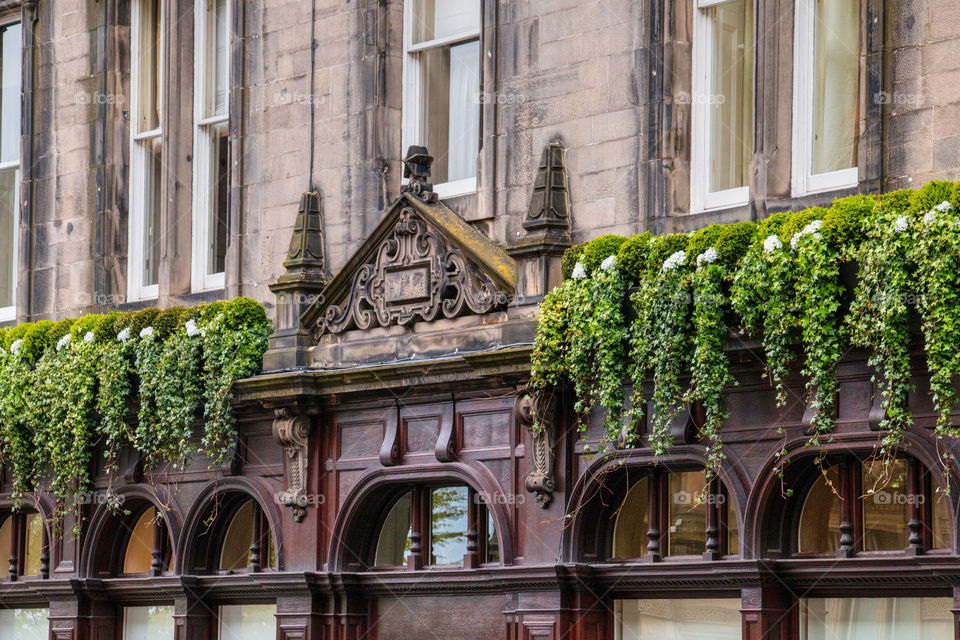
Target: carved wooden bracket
point(532, 407)
point(416, 276)
point(291, 430)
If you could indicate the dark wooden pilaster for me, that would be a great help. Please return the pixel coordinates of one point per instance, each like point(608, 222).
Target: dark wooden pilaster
point(194, 618)
point(768, 614)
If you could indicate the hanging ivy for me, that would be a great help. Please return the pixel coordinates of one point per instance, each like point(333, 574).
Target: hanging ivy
point(781, 281)
point(66, 389)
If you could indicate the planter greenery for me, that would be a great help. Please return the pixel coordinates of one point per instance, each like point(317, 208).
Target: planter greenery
point(659, 309)
point(67, 387)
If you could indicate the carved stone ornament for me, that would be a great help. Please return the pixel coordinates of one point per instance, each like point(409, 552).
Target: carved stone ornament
point(533, 407)
point(292, 432)
point(416, 275)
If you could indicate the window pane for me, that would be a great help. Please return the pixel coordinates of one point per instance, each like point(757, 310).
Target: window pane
point(148, 623)
point(493, 545)
point(464, 132)
point(217, 59)
point(24, 624)
point(715, 618)
point(731, 99)
point(10, 98)
point(148, 67)
point(733, 526)
point(688, 520)
point(34, 546)
point(248, 622)
point(152, 235)
point(836, 29)
point(630, 530)
point(450, 110)
point(448, 525)
point(393, 547)
point(219, 188)
point(942, 531)
point(138, 557)
point(235, 554)
point(434, 19)
point(9, 217)
point(886, 508)
point(820, 517)
point(871, 618)
point(6, 535)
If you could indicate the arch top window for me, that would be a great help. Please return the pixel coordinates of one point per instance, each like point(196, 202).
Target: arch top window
point(247, 541)
point(441, 109)
point(866, 506)
point(675, 514)
point(437, 526)
point(23, 546)
point(147, 550)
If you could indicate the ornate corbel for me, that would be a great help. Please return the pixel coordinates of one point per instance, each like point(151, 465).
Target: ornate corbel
point(538, 407)
point(291, 430)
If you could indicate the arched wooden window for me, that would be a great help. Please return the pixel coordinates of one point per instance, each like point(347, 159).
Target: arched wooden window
point(675, 514)
point(872, 505)
point(23, 546)
point(436, 526)
point(147, 550)
point(247, 541)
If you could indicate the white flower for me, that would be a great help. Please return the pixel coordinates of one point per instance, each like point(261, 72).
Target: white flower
point(579, 273)
point(3, 351)
point(811, 229)
point(709, 256)
point(88, 337)
point(146, 332)
point(192, 329)
point(124, 335)
point(901, 224)
point(62, 342)
point(609, 263)
point(676, 260)
point(944, 207)
point(929, 218)
point(15, 347)
point(771, 244)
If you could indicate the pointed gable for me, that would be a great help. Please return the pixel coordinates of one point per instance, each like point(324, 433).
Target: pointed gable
point(422, 262)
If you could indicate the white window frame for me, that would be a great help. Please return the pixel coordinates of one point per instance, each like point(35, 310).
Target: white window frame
point(413, 91)
point(701, 198)
point(804, 181)
point(10, 312)
point(139, 141)
point(203, 141)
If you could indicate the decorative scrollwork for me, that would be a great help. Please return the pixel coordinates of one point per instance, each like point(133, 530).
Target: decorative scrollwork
point(292, 432)
point(415, 276)
point(533, 407)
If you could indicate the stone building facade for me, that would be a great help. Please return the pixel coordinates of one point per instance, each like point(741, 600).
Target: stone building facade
point(179, 151)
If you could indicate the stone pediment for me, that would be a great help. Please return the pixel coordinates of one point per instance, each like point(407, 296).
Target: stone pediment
point(423, 262)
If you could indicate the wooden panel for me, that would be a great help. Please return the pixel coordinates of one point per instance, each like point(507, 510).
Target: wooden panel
point(421, 434)
point(486, 423)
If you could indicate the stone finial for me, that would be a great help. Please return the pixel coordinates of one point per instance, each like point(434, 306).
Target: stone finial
point(298, 288)
point(306, 244)
point(548, 203)
point(416, 169)
point(547, 224)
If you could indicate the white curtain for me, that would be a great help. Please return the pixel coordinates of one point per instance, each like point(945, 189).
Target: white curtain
point(464, 127)
point(248, 622)
point(836, 90)
point(678, 619)
point(876, 618)
point(24, 624)
point(148, 623)
point(10, 96)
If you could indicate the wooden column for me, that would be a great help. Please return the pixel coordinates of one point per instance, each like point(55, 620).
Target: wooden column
point(193, 618)
point(768, 614)
point(415, 561)
point(654, 495)
point(915, 498)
